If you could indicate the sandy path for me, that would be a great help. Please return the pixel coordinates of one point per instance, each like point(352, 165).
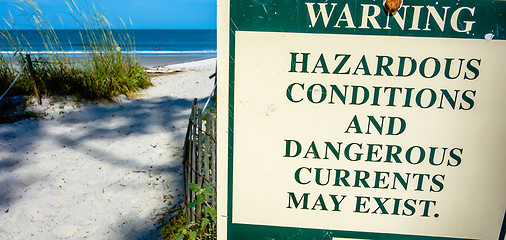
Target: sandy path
point(100, 171)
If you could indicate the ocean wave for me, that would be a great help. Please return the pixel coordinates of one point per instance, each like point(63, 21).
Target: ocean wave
point(175, 52)
point(156, 52)
point(42, 52)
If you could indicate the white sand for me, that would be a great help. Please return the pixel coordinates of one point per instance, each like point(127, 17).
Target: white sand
point(99, 171)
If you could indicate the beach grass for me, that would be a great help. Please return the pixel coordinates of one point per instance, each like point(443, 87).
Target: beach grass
point(6, 73)
point(107, 72)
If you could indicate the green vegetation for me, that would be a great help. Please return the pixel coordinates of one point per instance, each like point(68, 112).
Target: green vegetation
point(203, 228)
point(108, 72)
point(6, 74)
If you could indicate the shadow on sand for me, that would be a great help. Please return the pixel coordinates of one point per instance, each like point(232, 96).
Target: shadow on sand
point(135, 117)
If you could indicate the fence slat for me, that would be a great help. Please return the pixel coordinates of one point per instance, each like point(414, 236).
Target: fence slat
point(212, 131)
point(213, 160)
point(194, 159)
point(199, 159)
point(206, 154)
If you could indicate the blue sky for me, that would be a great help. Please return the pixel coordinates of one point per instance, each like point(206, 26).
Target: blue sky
point(144, 14)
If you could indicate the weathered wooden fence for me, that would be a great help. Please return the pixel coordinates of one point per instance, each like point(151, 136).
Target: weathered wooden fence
point(199, 161)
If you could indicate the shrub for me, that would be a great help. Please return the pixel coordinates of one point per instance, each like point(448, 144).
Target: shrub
point(106, 73)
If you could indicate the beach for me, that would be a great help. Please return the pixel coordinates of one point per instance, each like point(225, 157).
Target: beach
point(100, 170)
point(155, 61)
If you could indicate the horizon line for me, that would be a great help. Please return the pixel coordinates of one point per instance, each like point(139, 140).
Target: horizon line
point(112, 29)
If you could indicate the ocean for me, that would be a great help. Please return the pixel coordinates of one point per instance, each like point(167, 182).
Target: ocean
point(151, 46)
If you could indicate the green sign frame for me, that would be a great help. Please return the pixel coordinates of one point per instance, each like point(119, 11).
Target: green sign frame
point(290, 16)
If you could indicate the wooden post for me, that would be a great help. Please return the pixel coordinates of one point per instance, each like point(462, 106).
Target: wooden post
point(187, 172)
point(187, 155)
point(34, 78)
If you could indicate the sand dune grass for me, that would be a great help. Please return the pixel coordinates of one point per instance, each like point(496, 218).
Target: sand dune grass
point(106, 72)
